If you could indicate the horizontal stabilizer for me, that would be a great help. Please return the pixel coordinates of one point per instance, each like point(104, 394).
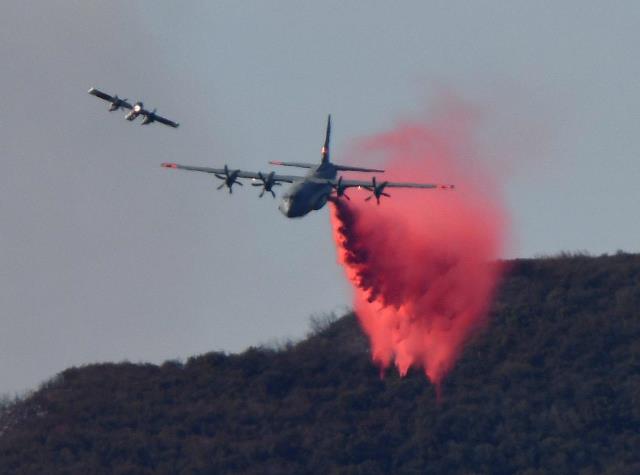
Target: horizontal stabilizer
point(346, 168)
point(293, 164)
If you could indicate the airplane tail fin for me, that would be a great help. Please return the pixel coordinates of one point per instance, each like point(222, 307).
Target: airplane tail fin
point(325, 147)
point(325, 153)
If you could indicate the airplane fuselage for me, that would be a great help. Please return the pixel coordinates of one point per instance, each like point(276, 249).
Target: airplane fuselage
point(135, 111)
point(131, 115)
point(308, 195)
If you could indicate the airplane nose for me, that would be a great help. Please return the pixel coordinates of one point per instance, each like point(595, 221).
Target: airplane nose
point(284, 208)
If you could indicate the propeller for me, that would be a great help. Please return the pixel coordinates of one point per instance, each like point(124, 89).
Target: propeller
point(229, 179)
point(340, 189)
point(267, 183)
point(376, 190)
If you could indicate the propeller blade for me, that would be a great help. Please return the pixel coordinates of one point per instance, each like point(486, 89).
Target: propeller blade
point(221, 186)
point(267, 183)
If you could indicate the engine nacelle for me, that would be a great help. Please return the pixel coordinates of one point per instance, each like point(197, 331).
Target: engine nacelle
point(148, 116)
point(148, 119)
point(116, 104)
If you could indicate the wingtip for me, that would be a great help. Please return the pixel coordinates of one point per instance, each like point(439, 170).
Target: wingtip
point(91, 90)
point(169, 165)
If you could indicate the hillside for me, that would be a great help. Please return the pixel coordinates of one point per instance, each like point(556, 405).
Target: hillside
point(552, 385)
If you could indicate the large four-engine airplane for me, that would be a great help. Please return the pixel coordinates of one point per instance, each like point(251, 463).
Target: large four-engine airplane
point(312, 191)
point(135, 110)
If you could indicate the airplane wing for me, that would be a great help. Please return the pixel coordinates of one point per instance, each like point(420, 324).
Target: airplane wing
point(387, 184)
point(154, 117)
point(241, 174)
point(106, 97)
point(165, 121)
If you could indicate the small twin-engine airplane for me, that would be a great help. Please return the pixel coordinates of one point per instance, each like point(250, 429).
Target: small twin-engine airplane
point(135, 110)
point(312, 191)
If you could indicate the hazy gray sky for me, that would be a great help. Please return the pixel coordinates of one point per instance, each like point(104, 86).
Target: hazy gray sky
point(106, 256)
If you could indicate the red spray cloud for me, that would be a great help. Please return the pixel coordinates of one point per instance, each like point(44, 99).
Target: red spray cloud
point(423, 263)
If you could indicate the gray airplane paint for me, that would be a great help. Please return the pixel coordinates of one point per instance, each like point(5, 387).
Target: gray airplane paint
point(307, 195)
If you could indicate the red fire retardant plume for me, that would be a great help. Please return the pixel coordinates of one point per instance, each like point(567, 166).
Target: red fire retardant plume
point(423, 262)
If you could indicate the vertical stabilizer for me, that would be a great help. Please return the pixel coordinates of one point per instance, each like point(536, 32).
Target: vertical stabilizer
point(325, 147)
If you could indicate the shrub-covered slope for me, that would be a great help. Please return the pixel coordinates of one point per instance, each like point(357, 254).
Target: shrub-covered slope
point(551, 385)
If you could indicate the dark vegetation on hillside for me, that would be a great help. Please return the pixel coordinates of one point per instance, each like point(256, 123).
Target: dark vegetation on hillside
point(552, 385)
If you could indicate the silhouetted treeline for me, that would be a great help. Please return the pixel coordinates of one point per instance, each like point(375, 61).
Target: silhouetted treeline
point(552, 385)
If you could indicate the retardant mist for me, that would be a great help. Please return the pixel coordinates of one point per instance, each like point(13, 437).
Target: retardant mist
point(423, 263)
